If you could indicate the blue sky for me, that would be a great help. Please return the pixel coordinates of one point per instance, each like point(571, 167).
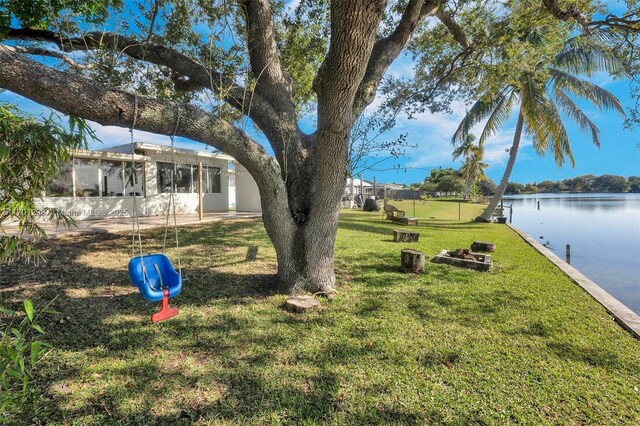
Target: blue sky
point(619, 152)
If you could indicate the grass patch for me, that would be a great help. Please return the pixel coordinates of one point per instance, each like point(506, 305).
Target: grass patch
point(521, 344)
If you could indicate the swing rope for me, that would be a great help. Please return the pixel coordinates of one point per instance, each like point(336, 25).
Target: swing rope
point(135, 231)
point(136, 220)
point(172, 200)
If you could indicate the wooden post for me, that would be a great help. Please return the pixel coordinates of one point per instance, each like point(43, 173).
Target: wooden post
point(511, 213)
point(200, 192)
point(375, 189)
point(362, 189)
point(538, 205)
point(568, 254)
point(352, 193)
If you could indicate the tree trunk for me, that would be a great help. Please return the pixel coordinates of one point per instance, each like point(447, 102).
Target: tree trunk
point(305, 254)
point(466, 188)
point(513, 152)
point(302, 185)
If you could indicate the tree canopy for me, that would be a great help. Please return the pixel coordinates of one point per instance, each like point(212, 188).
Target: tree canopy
point(207, 70)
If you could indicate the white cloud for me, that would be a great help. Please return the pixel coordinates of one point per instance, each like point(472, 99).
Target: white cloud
point(111, 136)
point(432, 133)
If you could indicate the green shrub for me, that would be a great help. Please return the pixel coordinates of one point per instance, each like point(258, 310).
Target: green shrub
point(20, 351)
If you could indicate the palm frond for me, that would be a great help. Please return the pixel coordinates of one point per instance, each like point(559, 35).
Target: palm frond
point(532, 95)
point(595, 94)
point(466, 148)
point(566, 105)
point(478, 112)
point(543, 122)
point(547, 129)
point(587, 56)
point(498, 117)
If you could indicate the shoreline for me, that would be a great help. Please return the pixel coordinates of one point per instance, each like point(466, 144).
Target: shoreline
point(624, 316)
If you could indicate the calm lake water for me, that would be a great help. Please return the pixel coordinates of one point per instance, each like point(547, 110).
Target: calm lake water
point(603, 230)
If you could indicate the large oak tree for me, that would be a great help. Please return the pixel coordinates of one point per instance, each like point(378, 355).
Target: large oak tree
point(178, 54)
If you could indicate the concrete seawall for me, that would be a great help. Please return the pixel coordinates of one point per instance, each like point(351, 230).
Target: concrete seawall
point(623, 315)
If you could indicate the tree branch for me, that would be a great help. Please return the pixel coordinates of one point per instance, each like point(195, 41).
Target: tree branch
point(455, 30)
point(252, 105)
point(387, 49)
point(263, 51)
point(50, 53)
point(353, 29)
point(625, 22)
point(154, 15)
point(564, 15)
point(80, 96)
point(272, 81)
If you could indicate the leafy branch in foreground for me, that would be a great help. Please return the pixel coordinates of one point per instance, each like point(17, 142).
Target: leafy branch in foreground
point(21, 348)
point(31, 153)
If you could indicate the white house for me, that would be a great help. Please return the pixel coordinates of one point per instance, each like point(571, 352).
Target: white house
point(103, 183)
point(355, 187)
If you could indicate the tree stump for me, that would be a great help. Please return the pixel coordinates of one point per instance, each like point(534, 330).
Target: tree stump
point(405, 236)
point(301, 304)
point(412, 260)
point(483, 246)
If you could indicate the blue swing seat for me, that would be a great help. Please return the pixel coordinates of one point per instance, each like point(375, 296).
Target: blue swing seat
point(157, 272)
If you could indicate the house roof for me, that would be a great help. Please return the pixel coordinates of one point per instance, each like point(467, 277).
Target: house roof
point(108, 155)
point(356, 182)
point(144, 146)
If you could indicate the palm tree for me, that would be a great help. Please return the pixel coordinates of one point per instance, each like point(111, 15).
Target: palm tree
point(541, 101)
point(465, 150)
point(473, 167)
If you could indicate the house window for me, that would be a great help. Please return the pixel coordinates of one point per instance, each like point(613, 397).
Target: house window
point(186, 178)
point(232, 180)
point(134, 179)
point(62, 186)
point(211, 180)
point(111, 178)
point(183, 178)
point(195, 180)
point(165, 170)
point(86, 177)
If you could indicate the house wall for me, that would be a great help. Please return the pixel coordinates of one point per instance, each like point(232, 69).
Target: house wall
point(247, 193)
point(155, 203)
point(186, 202)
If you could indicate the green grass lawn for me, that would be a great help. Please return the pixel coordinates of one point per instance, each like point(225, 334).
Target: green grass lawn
point(521, 344)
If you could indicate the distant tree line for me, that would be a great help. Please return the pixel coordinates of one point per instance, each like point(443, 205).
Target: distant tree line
point(450, 181)
point(585, 183)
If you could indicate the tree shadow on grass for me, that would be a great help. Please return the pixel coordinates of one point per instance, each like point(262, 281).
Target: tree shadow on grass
point(462, 226)
point(469, 309)
point(369, 227)
point(160, 391)
point(103, 326)
point(385, 227)
point(593, 356)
